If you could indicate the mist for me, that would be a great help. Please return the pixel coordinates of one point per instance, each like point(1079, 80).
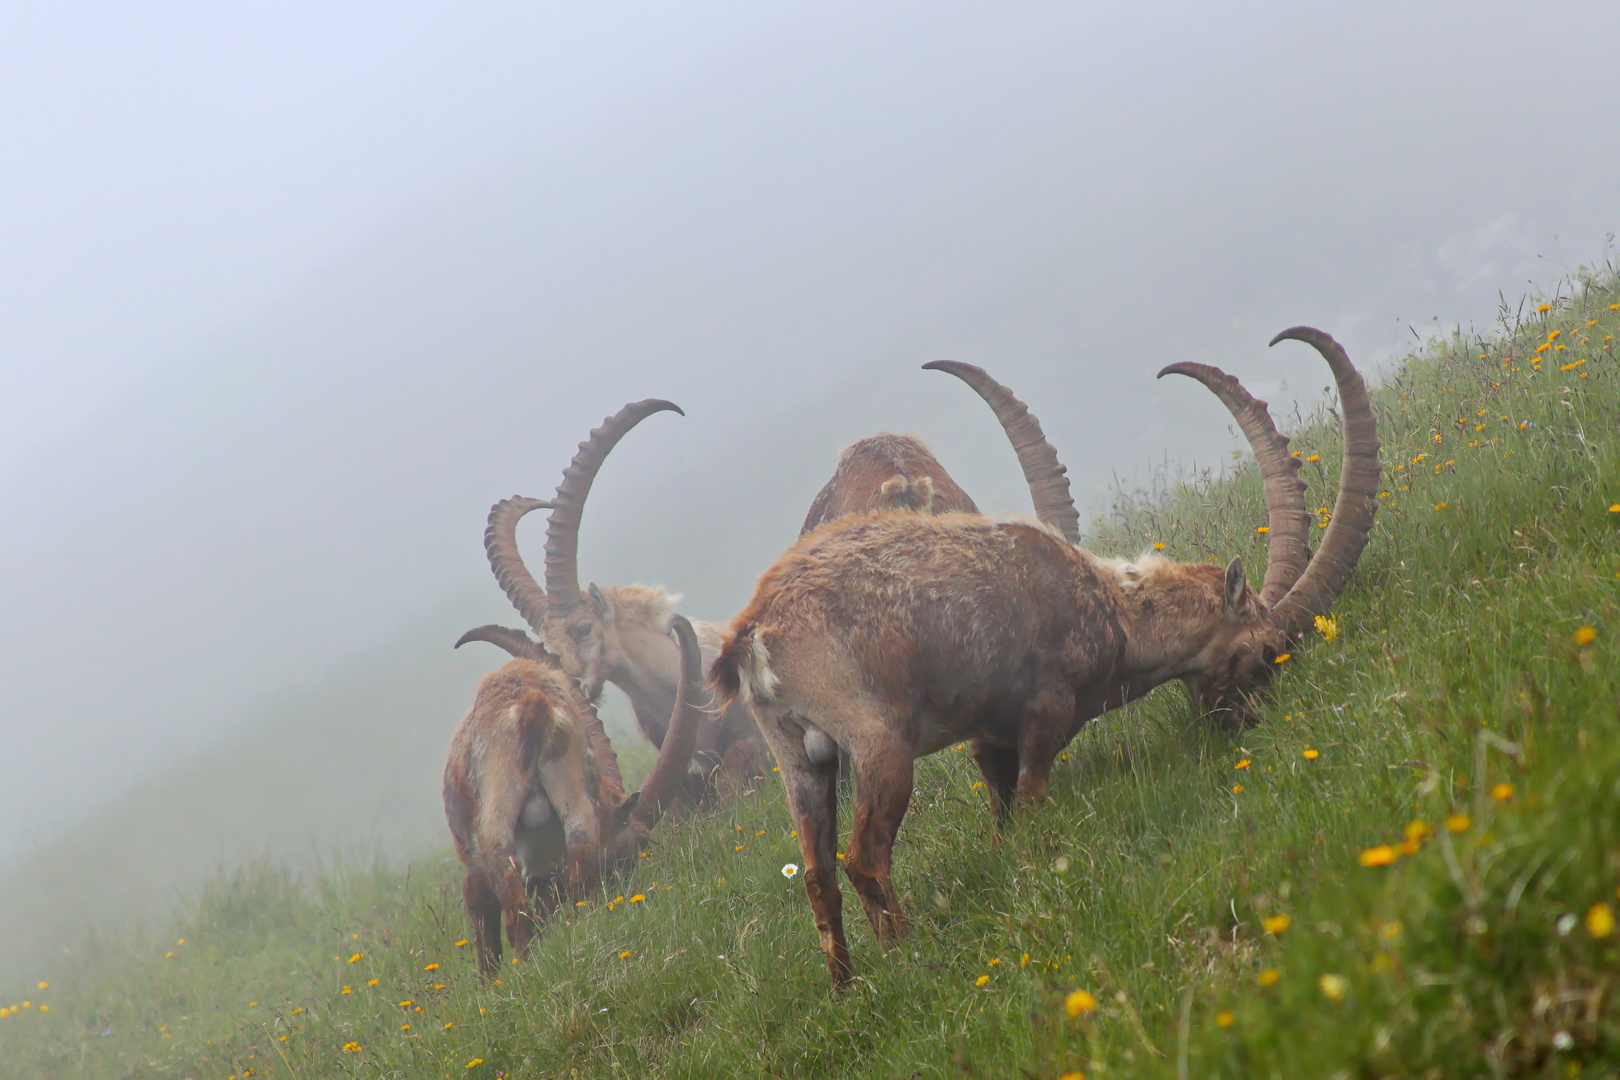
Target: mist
point(294, 293)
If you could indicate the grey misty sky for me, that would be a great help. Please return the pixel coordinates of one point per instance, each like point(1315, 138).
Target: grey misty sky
point(293, 292)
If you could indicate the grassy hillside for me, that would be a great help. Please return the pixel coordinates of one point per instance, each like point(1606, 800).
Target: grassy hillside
point(1410, 868)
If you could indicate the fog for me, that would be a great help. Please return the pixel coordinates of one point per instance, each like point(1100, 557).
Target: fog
point(293, 293)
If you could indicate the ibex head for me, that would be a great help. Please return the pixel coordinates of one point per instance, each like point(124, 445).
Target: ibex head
point(574, 625)
point(1257, 631)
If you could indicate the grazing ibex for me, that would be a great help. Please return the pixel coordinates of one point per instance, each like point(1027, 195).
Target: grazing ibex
point(608, 635)
point(898, 472)
point(895, 635)
point(534, 798)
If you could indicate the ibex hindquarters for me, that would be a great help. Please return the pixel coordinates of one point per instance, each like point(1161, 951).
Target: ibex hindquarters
point(521, 802)
point(534, 798)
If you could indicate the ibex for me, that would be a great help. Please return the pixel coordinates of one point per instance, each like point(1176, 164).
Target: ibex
point(534, 798)
point(895, 635)
point(898, 472)
point(608, 635)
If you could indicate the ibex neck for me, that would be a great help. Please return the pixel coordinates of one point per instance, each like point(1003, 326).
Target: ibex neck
point(1170, 611)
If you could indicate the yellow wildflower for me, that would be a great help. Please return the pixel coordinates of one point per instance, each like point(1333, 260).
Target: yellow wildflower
point(625, 955)
point(1074, 1075)
point(1314, 457)
point(1543, 307)
point(356, 956)
point(1023, 961)
point(431, 967)
point(44, 986)
point(1237, 789)
point(1262, 529)
point(460, 943)
point(1328, 627)
point(1457, 823)
point(981, 980)
point(1283, 658)
point(1333, 987)
point(1224, 1019)
point(1418, 830)
point(1275, 924)
point(1157, 546)
point(474, 1063)
point(1268, 977)
point(1379, 855)
point(1244, 764)
point(372, 982)
point(348, 990)
point(1502, 792)
point(1600, 920)
point(351, 1048)
point(1312, 754)
point(1585, 636)
point(1079, 1001)
point(638, 898)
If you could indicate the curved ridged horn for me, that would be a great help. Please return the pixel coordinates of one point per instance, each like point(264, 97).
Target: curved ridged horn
point(500, 544)
point(1048, 486)
point(680, 739)
point(1288, 520)
point(609, 781)
point(516, 642)
point(1313, 594)
point(562, 532)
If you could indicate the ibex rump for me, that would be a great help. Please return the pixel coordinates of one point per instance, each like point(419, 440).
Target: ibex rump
point(534, 799)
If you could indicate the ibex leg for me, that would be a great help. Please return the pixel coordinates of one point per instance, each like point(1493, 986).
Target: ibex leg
point(999, 767)
point(1048, 723)
point(812, 793)
point(485, 909)
point(883, 773)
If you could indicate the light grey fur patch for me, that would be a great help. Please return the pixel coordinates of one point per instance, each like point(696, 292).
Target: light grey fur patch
point(760, 680)
point(537, 811)
point(819, 747)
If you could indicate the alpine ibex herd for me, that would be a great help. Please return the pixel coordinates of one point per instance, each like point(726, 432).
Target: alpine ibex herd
point(901, 622)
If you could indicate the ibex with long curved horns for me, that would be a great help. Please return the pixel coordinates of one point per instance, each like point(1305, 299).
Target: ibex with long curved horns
point(899, 472)
point(534, 797)
point(895, 635)
point(607, 635)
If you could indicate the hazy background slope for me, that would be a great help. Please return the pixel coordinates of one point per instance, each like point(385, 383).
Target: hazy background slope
point(294, 294)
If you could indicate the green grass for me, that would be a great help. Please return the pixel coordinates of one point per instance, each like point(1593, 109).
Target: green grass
point(1146, 881)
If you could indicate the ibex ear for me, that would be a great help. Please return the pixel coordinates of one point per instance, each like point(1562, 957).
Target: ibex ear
point(621, 813)
point(604, 610)
point(1237, 586)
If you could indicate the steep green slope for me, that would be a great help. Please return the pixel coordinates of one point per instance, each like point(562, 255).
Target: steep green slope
point(1410, 868)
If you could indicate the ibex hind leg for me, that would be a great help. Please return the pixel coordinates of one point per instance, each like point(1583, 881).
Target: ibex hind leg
point(484, 907)
point(812, 792)
point(883, 772)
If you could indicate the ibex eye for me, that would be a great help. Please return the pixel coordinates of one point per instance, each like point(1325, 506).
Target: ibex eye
point(1270, 654)
point(580, 631)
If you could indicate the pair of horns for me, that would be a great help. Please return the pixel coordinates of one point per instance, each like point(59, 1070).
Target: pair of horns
point(1298, 585)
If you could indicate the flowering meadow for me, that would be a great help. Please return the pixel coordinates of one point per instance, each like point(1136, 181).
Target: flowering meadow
point(1410, 868)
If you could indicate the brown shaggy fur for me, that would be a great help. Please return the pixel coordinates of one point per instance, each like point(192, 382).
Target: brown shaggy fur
point(898, 634)
point(887, 472)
